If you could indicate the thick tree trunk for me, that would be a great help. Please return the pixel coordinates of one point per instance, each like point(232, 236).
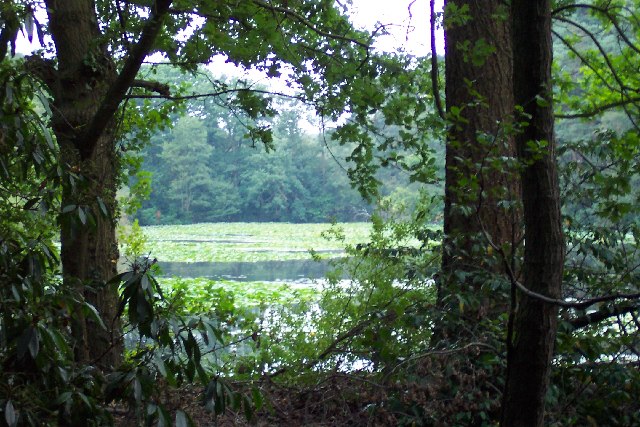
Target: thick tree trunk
point(89, 249)
point(87, 92)
point(89, 254)
point(480, 187)
point(530, 348)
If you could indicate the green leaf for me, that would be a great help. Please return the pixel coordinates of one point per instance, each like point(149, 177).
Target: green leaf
point(257, 398)
point(103, 207)
point(63, 398)
point(248, 409)
point(164, 420)
point(162, 368)
point(68, 208)
point(181, 419)
point(90, 309)
point(10, 415)
point(28, 341)
point(137, 390)
point(82, 215)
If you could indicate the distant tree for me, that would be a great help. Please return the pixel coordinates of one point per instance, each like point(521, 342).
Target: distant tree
point(187, 158)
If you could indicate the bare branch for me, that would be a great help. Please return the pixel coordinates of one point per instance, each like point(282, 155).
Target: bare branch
point(555, 301)
point(604, 11)
point(578, 304)
point(333, 347)
point(584, 61)
point(442, 353)
point(602, 51)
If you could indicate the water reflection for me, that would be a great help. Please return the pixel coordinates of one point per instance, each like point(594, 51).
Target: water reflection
point(268, 271)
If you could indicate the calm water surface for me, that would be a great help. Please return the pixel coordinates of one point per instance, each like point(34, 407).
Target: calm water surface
point(267, 271)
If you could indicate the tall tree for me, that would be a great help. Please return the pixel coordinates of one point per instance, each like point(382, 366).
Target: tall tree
point(530, 343)
point(187, 157)
point(87, 91)
point(481, 188)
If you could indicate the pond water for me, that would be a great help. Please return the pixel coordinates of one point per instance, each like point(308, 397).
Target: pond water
point(265, 271)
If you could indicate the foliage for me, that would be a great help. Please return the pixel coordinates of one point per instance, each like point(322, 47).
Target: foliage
point(39, 382)
point(133, 241)
point(368, 321)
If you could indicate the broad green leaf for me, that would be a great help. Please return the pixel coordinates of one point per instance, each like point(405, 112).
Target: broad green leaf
point(10, 415)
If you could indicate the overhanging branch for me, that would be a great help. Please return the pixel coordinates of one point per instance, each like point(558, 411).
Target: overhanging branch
point(308, 24)
point(578, 304)
point(160, 88)
point(555, 301)
point(599, 109)
point(124, 81)
point(213, 95)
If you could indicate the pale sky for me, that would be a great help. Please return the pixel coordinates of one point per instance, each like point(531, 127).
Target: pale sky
point(408, 23)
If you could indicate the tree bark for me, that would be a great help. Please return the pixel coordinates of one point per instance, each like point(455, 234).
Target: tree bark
point(530, 346)
point(480, 188)
point(88, 251)
point(87, 91)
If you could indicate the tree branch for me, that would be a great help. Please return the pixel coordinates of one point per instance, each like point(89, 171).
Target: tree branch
point(308, 24)
point(333, 347)
point(603, 53)
point(578, 304)
point(153, 86)
point(599, 109)
point(602, 314)
point(214, 94)
point(118, 90)
point(604, 11)
point(555, 301)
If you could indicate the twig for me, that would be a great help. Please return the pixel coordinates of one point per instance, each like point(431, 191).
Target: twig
point(439, 353)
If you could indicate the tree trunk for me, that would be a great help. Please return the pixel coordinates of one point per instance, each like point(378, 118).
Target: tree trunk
point(89, 250)
point(530, 347)
point(480, 187)
point(87, 92)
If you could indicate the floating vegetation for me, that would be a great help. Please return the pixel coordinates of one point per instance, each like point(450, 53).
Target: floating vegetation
point(250, 242)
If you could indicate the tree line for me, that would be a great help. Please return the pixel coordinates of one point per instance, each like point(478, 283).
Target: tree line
point(205, 168)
